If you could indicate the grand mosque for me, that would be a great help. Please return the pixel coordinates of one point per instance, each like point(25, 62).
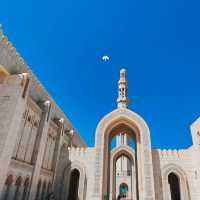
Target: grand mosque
point(42, 155)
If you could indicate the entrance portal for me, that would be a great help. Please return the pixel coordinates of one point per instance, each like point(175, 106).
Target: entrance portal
point(123, 188)
point(122, 120)
point(173, 181)
point(74, 185)
point(123, 171)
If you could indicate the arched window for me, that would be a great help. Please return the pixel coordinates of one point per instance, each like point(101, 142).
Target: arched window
point(26, 186)
point(8, 184)
point(18, 185)
point(74, 185)
point(174, 184)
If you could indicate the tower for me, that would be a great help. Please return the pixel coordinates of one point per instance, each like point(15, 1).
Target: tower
point(122, 100)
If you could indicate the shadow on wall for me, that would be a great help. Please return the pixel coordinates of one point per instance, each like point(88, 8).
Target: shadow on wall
point(157, 175)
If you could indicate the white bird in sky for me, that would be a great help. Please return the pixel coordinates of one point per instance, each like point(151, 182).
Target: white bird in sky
point(105, 58)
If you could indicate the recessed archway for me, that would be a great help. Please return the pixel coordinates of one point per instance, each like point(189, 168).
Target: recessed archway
point(174, 186)
point(123, 120)
point(74, 185)
point(174, 179)
point(129, 153)
point(81, 179)
point(123, 188)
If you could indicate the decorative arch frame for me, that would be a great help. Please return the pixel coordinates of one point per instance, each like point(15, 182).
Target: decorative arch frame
point(8, 183)
point(82, 181)
point(183, 182)
point(18, 181)
point(115, 154)
point(144, 156)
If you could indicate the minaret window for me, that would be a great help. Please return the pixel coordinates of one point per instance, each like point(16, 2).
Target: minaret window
point(123, 94)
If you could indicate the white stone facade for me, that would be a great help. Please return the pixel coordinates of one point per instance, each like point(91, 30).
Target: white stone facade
point(40, 155)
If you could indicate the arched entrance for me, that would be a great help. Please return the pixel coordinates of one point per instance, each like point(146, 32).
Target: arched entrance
point(74, 178)
point(128, 177)
point(74, 185)
point(123, 120)
point(174, 186)
point(123, 188)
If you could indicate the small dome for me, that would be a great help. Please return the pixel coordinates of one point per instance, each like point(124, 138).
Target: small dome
point(122, 71)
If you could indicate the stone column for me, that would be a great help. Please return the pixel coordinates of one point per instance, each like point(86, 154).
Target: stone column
point(40, 148)
point(60, 179)
point(13, 98)
point(56, 156)
point(168, 192)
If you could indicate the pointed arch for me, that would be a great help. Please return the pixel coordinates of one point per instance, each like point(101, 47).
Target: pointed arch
point(135, 126)
point(74, 184)
point(174, 186)
point(173, 169)
point(82, 180)
point(122, 150)
point(8, 184)
point(123, 188)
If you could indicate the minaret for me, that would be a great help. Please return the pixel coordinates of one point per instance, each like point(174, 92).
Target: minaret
point(122, 100)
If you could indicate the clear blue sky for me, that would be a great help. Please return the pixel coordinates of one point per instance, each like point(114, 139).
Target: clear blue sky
point(157, 41)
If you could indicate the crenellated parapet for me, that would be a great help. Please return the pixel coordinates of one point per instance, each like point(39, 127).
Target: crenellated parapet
point(181, 157)
point(171, 153)
point(79, 152)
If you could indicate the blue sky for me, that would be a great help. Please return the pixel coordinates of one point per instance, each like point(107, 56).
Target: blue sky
point(156, 41)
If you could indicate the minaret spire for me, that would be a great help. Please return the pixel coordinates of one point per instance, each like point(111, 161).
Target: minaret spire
point(122, 100)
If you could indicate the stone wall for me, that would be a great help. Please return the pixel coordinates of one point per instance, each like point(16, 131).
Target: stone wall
point(33, 131)
point(175, 160)
point(86, 158)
